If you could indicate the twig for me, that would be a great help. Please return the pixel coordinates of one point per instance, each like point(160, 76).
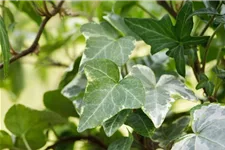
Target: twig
point(78, 138)
point(34, 45)
point(165, 5)
point(210, 21)
point(46, 9)
point(207, 47)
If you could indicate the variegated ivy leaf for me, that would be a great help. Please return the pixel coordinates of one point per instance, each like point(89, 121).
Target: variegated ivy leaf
point(158, 94)
point(122, 144)
point(103, 41)
point(169, 132)
point(208, 127)
point(106, 95)
point(112, 125)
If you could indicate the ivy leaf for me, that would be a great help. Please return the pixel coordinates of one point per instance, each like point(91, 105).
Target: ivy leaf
point(28, 9)
point(158, 95)
point(208, 127)
point(112, 125)
point(140, 123)
point(220, 73)
point(70, 74)
point(161, 34)
point(75, 87)
point(6, 140)
point(205, 83)
point(212, 4)
point(118, 23)
point(55, 101)
point(220, 19)
point(5, 46)
point(103, 41)
point(106, 95)
point(167, 133)
point(30, 124)
point(122, 144)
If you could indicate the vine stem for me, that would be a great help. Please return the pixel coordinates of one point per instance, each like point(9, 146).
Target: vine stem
point(207, 47)
point(26, 143)
point(210, 21)
point(145, 10)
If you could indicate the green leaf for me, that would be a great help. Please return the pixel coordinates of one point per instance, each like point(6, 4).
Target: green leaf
point(70, 74)
point(158, 95)
point(122, 144)
point(55, 101)
point(112, 125)
point(103, 41)
point(154, 32)
point(208, 127)
point(28, 8)
point(220, 73)
point(14, 83)
point(8, 17)
point(5, 140)
point(220, 19)
point(140, 123)
point(118, 23)
point(106, 95)
point(120, 6)
point(205, 83)
point(5, 46)
point(29, 123)
point(178, 54)
point(167, 133)
point(212, 4)
point(161, 34)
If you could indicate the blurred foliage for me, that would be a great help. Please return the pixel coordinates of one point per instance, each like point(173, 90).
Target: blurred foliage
point(58, 56)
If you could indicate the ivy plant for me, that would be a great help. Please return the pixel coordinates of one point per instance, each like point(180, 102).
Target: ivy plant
point(115, 96)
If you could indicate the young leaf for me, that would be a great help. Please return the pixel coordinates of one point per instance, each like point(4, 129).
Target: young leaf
point(105, 95)
point(122, 144)
point(205, 83)
point(158, 95)
point(55, 101)
point(208, 127)
point(5, 140)
point(162, 34)
point(5, 46)
point(167, 133)
point(30, 124)
point(103, 41)
point(140, 123)
point(112, 125)
point(220, 73)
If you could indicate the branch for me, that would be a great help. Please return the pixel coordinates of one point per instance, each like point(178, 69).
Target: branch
point(165, 5)
point(78, 138)
point(34, 45)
